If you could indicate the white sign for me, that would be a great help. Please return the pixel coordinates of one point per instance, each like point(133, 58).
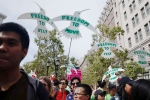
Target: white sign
point(72, 31)
point(107, 53)
point(112, 72)
point(42, 19)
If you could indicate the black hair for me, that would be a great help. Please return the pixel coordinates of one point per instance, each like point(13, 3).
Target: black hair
point(122, 93)
point(18, 29)
point(111, 86)
point(101, 83)
point(66, 81)
point(75, 78)
point(140, 90)
point(101, 94)
point(56, 82)
point(87, 89)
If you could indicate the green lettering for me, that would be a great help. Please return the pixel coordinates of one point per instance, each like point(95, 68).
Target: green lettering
point(32, 15)
point(63, 17)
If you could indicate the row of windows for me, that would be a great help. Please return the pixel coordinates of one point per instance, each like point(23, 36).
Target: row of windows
point(138, 35)
point(132, 6)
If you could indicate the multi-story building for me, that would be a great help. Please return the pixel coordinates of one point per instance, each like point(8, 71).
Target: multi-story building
point(2, 17)
point(134, 17)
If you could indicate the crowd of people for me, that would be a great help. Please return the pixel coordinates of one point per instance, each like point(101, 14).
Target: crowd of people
point(16, 84)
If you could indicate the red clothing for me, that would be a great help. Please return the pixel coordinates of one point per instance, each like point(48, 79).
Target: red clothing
point(61, 95)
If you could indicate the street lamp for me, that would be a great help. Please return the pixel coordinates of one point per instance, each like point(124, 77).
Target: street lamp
point(57, 63)
point(47, 66)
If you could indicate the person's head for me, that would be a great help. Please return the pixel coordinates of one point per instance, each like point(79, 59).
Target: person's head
point(102, 84)
point(47, 83)
point(63, 83)
point(56, 82)
point(74, 82)
point(82, 92)
point(141, 90)
point(99, 94)
point(112, 89)
point(128, 84)
point(14, 43)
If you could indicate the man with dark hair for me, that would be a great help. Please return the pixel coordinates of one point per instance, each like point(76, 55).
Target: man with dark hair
point(74, 83)
point(83, 92)
point(61, 94)
point(14, 83)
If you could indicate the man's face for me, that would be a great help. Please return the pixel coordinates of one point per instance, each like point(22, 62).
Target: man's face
point(62, 84)
point(11, 52)
point(80, 95)
point(74, 84)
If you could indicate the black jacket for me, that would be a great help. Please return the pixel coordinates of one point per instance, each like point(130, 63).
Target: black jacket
point(36, 90)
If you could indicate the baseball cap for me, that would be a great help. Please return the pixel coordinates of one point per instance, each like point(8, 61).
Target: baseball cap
point(99, 92)
point(126, 80)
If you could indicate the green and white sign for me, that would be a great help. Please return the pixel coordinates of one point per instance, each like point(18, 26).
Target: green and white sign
point(69, 67)
point(107, 53)
point(112, 72)
point(72, 31)
point(142, 57)
point(42, 19)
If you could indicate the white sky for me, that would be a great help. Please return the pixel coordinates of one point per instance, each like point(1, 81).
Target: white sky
point(53, 8)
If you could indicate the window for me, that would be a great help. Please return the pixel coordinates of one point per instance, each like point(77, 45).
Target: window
point(115, 4)
point(125, 15)
point(129, 42)
point(123, 4)
point(137, 18)
point(147, 29)
point(112, 20)
point(134, 5)
point(130, 7)
point(117, 23)
point(116, 14)
point(143, 12)
point(136, 37)
point(133, 22)
point(147, 7)
point(119, 36)
point(127, 28)
point(149, 47)
point(140, 34)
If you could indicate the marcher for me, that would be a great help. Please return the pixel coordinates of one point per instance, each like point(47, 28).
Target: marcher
point(48, 85)
point(112, 91)
point(141, 90)
point(16, 84)
point(62, 93)
point(124, 89)
point(102, 85)
point(99, 95)
point(74, 83)
point(83, 92)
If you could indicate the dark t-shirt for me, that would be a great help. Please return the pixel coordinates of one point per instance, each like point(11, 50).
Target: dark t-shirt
point(18, 91)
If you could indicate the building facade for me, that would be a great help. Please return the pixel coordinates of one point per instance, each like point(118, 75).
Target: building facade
point(2, 17)
point(133, 16)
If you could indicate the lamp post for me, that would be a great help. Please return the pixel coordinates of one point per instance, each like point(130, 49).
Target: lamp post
point(47, 66)
point(57, 63)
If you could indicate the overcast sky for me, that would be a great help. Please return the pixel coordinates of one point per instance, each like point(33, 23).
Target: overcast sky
point(53, 8)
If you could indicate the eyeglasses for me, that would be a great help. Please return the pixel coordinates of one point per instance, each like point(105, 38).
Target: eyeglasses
point(75, 83)
point(45, 84)
point(63, 83)
point(76, 94)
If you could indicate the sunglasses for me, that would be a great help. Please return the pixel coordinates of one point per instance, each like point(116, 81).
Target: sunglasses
point(63, 83)
point(75, 83)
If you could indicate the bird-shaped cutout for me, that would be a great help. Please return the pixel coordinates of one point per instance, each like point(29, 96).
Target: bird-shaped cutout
point(69, 67)
point(106, 45)
point(141, 56)
point(75, 21)
point(112, 72)
point(42, 19)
